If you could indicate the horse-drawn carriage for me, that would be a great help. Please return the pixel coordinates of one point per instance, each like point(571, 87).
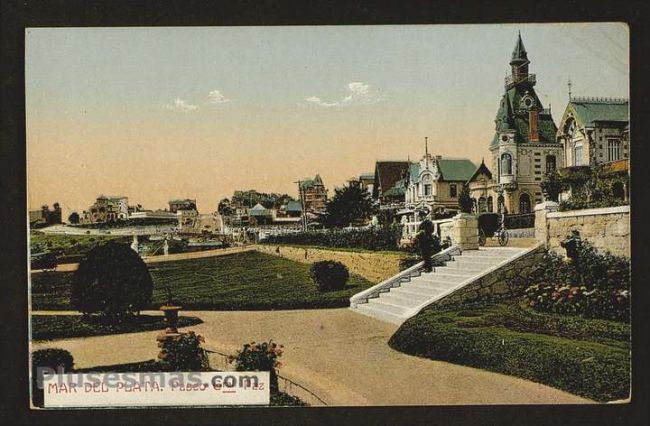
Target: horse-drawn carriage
point(492, 225)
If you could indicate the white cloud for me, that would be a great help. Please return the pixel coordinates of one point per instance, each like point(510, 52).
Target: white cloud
point(216, 97)
point(181, 105)
point(359, 93)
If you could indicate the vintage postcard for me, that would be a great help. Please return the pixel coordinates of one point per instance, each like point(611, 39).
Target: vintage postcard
point(328, 215)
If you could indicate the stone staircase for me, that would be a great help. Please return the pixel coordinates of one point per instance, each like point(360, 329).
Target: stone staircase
point(404, 295)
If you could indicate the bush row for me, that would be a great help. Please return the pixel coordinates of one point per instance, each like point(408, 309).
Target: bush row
point(375, 239)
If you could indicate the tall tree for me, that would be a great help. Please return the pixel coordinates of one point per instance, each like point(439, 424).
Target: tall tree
point(73, 218)
point(350, 204)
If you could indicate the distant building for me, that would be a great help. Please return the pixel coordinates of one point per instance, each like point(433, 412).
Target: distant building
point(595, 134)
point(293, 209)
point(432, 187)
point(184, 204)
point(367, 181)
point(389, 182)
point(314, 193)
point(106, 209)
point(260, 215)
point(482, 190)
point(45, 216)
point(595, 131)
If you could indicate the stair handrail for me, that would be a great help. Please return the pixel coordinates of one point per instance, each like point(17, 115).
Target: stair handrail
point(363, 296)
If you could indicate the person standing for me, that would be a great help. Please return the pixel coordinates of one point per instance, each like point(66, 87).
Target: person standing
point(425, 240)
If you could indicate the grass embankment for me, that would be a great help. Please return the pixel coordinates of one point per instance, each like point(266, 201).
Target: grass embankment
point(49, 327)
point(590, 358)
point(73, 246)
point(243, 281)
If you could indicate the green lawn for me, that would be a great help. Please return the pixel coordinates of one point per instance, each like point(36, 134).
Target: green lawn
point(49, 327)
point(68, 245)
point(244, 281)
point(590, 358)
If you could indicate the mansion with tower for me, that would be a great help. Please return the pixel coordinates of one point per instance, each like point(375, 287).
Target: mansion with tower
point(524, 147)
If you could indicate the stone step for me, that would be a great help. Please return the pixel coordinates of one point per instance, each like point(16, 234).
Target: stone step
point(403, 299)
point(377, 312)
point(428, 287)
point(387, 306)
point(417, 293)
point(446, 277)
point(470, 265)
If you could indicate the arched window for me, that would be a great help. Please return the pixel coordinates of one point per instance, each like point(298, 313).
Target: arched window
point(490, 204)
point(482, 205)
point(550, 163)
point(506, 164)
point(524, 203)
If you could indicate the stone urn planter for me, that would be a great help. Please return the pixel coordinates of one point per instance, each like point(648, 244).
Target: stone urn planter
point(171, 329)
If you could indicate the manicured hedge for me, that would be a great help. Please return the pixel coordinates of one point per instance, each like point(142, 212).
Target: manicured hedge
point(590, 358)
point(367, 239)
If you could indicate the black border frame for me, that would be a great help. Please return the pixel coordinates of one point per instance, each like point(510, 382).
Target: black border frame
point(16, 15)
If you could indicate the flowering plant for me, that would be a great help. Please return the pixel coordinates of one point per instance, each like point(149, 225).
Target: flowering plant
point(184, 353)
point(594, 285)
point(260, 357)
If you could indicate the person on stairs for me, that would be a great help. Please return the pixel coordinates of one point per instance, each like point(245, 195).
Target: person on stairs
point(428, 243)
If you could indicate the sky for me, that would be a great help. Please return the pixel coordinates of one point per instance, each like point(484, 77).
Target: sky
point(157, 113)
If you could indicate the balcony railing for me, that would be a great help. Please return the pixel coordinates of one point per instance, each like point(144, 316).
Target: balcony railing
point(526, 78)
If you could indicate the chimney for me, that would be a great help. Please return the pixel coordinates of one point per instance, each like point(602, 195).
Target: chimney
point(533, 128)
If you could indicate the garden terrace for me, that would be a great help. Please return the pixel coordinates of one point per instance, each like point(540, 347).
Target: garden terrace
point(590, 358)
point(244, 281)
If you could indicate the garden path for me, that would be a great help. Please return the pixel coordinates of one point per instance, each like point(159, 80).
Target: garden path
point(341, 356)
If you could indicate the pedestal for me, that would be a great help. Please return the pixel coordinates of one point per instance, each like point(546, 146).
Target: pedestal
point(465, 231)
point(171, 330)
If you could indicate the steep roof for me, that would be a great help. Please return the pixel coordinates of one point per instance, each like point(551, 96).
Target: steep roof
point(388, 173)
point(311, 182)
point(519, 54)
point(590, 110)
point(259, 210)
point(455, 169)
point(511, 115)
point(481, 169)
point(294, 206)
point(397, 190)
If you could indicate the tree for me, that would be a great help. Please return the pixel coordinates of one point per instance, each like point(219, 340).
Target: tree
point(350, 204)
point(465, 202)
point(552, 186)
point(224, 208)
point(73, 218)
point(112, 281)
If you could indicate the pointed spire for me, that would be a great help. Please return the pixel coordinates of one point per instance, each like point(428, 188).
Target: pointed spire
point(569, 85)
point(519, 55)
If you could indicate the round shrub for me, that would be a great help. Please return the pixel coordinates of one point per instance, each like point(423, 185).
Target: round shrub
point(113, 281)
point(57, 360)
point(329, 275)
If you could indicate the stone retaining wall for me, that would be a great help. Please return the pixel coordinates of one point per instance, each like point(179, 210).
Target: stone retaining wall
point(502, 283)
point(608, 229)
point(375, 267)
